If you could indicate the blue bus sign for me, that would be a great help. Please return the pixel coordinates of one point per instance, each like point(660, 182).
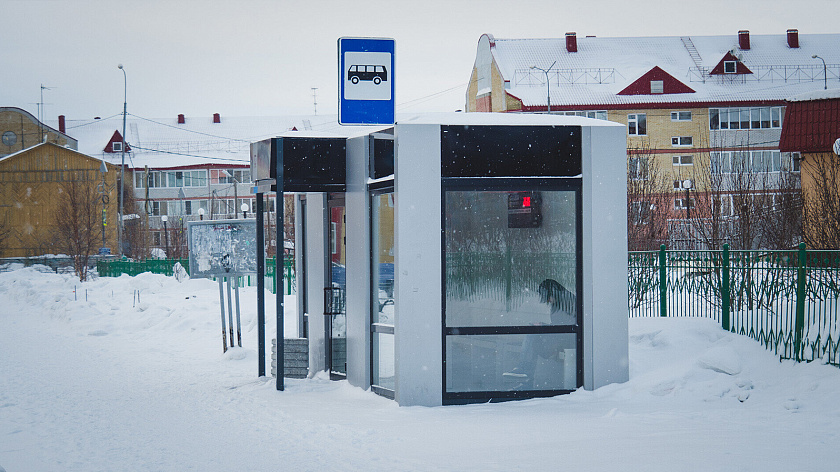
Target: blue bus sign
point(366, 81)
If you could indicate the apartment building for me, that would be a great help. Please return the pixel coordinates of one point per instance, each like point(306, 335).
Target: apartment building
point(704, 115)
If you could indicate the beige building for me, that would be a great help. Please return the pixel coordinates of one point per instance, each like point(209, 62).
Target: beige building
point(704, 113)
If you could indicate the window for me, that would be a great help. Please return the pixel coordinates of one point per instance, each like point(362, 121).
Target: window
point(683, 160)
point(637, 168)
point(745, 118)
point(116, 146)
point(683, 203)
point(492, 321)
point(382, 296)
point(682, 141)
point(598, 114)
point(657, 86)
point(637, 124)
point(680, 116)
point(730, 67)
point(640, 212)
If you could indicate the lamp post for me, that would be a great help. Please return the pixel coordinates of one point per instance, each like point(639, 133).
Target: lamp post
point(547, 85)
point(825, 71)
point(122, 162)
point(244, 209)
point(165, 234)
point(201, 213)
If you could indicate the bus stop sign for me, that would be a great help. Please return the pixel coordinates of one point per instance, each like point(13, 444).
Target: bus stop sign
point(366, 81)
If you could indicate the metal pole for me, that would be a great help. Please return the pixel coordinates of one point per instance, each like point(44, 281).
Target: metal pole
point(222, 305)
point(825, 71)
point(238, 322)
point(230, 312)
point(799, 326)
point(122, 165)
point(260, 288)
point(278, 272)
point(725, 292)
point(663, 283)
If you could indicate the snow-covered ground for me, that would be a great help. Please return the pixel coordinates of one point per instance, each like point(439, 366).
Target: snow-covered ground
point(99, 381)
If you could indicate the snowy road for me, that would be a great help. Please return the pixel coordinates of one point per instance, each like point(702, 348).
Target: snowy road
point(108, 385)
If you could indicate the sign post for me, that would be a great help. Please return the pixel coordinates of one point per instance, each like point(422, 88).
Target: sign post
point(366, 81)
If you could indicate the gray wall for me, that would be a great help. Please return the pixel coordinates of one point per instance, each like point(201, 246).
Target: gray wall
point(417, 325)
point(357, 259)
point(604, 257)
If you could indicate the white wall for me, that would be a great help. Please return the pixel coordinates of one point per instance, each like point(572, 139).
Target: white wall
point(417, 331)
point(357, 260)
point(604, 256)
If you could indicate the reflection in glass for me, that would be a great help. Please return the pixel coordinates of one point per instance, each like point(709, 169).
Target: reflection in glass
point(383, 360)
point(382, 298)
point(481, 363)
point(497, 254)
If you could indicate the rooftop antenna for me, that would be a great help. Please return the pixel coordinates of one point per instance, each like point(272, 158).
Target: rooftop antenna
point(315, 99)
point(40, 110)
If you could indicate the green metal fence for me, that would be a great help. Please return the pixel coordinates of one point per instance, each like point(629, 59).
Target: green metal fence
point(787, 300)
point(115, 268)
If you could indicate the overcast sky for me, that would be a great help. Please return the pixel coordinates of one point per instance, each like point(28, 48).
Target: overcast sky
point(263, 57)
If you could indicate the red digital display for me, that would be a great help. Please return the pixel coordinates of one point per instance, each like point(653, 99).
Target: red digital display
point(526, 202)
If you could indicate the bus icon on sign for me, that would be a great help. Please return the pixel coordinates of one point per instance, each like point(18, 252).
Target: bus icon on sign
point(376, 74)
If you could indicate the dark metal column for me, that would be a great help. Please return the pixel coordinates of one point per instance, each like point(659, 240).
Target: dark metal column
point(260, 287)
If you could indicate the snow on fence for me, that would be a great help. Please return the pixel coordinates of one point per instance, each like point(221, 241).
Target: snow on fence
point(786, 300)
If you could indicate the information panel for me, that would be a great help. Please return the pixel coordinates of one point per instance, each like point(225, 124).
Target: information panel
point(222, 248)
point(366, 81)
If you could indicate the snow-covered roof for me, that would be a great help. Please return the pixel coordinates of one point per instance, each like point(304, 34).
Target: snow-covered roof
point(829, 94)
point(602, 67)
point(166, 144)
point(509, 119)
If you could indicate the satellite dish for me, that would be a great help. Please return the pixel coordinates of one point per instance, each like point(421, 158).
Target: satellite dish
point(837, 147)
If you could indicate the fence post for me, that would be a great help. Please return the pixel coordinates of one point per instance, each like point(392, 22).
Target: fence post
point(724, 290)
point(663, 283)
point(799, 326)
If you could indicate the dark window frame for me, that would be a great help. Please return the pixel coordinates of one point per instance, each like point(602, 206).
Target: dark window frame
point(547, 184)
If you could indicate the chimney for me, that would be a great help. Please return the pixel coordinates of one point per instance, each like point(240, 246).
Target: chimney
point(181, 119)
point(61, 124)
point(571, 42)
point(793, 38)
point(744, 40)
point(217, 118)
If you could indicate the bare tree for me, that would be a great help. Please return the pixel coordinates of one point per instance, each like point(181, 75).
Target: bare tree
point(78, 230)
point(821, 203)
point(647, 201)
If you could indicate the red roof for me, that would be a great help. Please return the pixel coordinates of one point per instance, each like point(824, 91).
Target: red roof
point(642, 85)
point(811, 126)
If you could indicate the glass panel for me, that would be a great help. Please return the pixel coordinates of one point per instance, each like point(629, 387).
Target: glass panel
point(500, 247)
point(745, 118)
point(511, 362)
point(755, 121)
point(338, 281)
point(765, 117)
point(383, 360)
point(642, 127)
point(382, 212)
point(776, 120)
point(714, 118)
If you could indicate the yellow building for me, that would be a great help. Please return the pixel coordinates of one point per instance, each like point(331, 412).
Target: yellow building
point(701, 110)
point(33, 179)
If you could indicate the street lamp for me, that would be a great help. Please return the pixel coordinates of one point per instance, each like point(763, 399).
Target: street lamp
point(104, 197)
point(547, 86)
point(244, 209)
point(201, 213)
point(122, 164)
point(687, 186)
point(825, 71)
point(165, 234)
